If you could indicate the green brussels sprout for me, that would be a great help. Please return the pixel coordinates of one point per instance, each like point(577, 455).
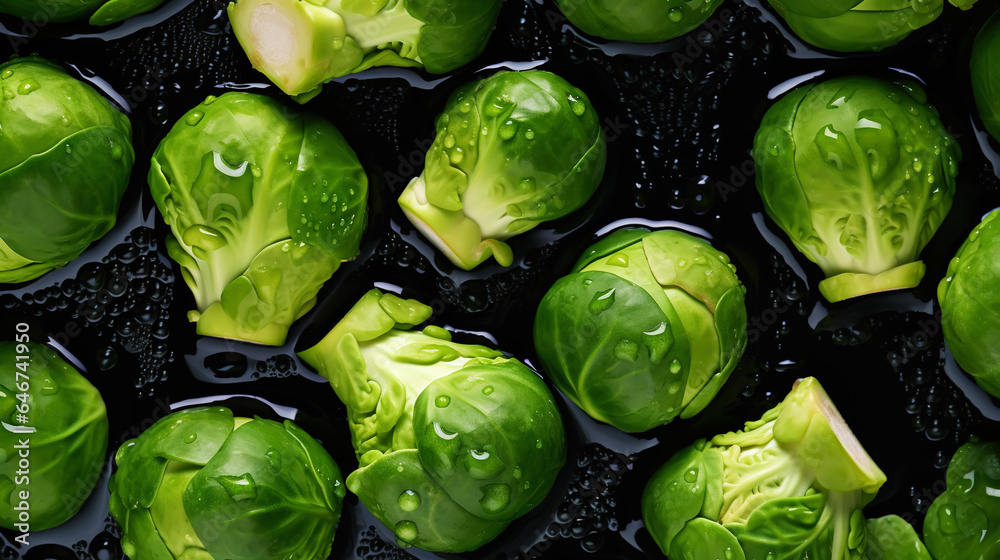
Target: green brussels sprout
point(511, 151)
point(641, 21)
point(54, 440)
point(100, 12)
point(264, 204)
point(856, 25)
point(984, 66)
point(299, 44)
point(970, 314)
point(201, 484)
point(65, 159)
point(647, 327)
point(963, 523)
point(859, 172)
point(788, 486)
point(454, 441)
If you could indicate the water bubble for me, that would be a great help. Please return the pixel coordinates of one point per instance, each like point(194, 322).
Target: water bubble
point(406, 532)
point(28, 86)
point(408, 501)
point(627, 350)
point(507, 130)
point(496, 497)
point(273, 458)
point(239, 488)
point(618, 259)
point(602, 301)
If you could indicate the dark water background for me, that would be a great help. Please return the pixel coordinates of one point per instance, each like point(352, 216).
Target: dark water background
point(679, 118)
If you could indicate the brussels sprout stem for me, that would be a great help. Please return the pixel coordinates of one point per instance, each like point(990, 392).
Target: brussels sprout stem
point(853, 284)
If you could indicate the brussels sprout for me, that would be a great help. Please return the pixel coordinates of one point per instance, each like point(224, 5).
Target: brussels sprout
point(511, 151)
point(970, 314)
point(963, 523)
point(201, 484)
point(856, 25)
point(859, 172)
point(984, 66)
point(100, 12)
point(66, 450)
point(647, 327)
point(454, 441)
point(642, 21)
point(264, 204)
point(788, 486)
point(65, 159)
point(299, 44)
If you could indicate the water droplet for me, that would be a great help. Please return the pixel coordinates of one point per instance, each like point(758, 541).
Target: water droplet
point(6, 74)
point(529, 134)
point(602, 301)
point(675, 367)
point(917, 165)
point(579, 107)
point(465, 107)
point(408, 501)
point(273, 460)
point(194, 118)
point(442, 401)
point(204, 237)
point(675, 14)
point(842, 97)
point(947, 520)
point(449, 141)
point(691, 475)
point(406, 532)
point(190, 438)
point(209, 100)
point(618, 259)
point(773, 150)
point(527, 184)
point(456, 157)
point(514, 211)
point(627, 350)
point(659, 341)
point(49, 386)
point(9, 94)
point(69, 149)
point(507, 130)
point(239, 488)
point(833, 147)
point(27, 87)
point(488, 390)
point(496, 497)
point(894, 97)
point(116, 152)
point(107, 358)
point(442, 433)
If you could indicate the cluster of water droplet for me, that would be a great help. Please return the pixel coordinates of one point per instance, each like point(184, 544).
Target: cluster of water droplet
point(123, 302)
point(372, 547)
point(587, 512)
point(937, 407)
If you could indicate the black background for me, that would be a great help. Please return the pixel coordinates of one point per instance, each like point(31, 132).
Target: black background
point(679, 118)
